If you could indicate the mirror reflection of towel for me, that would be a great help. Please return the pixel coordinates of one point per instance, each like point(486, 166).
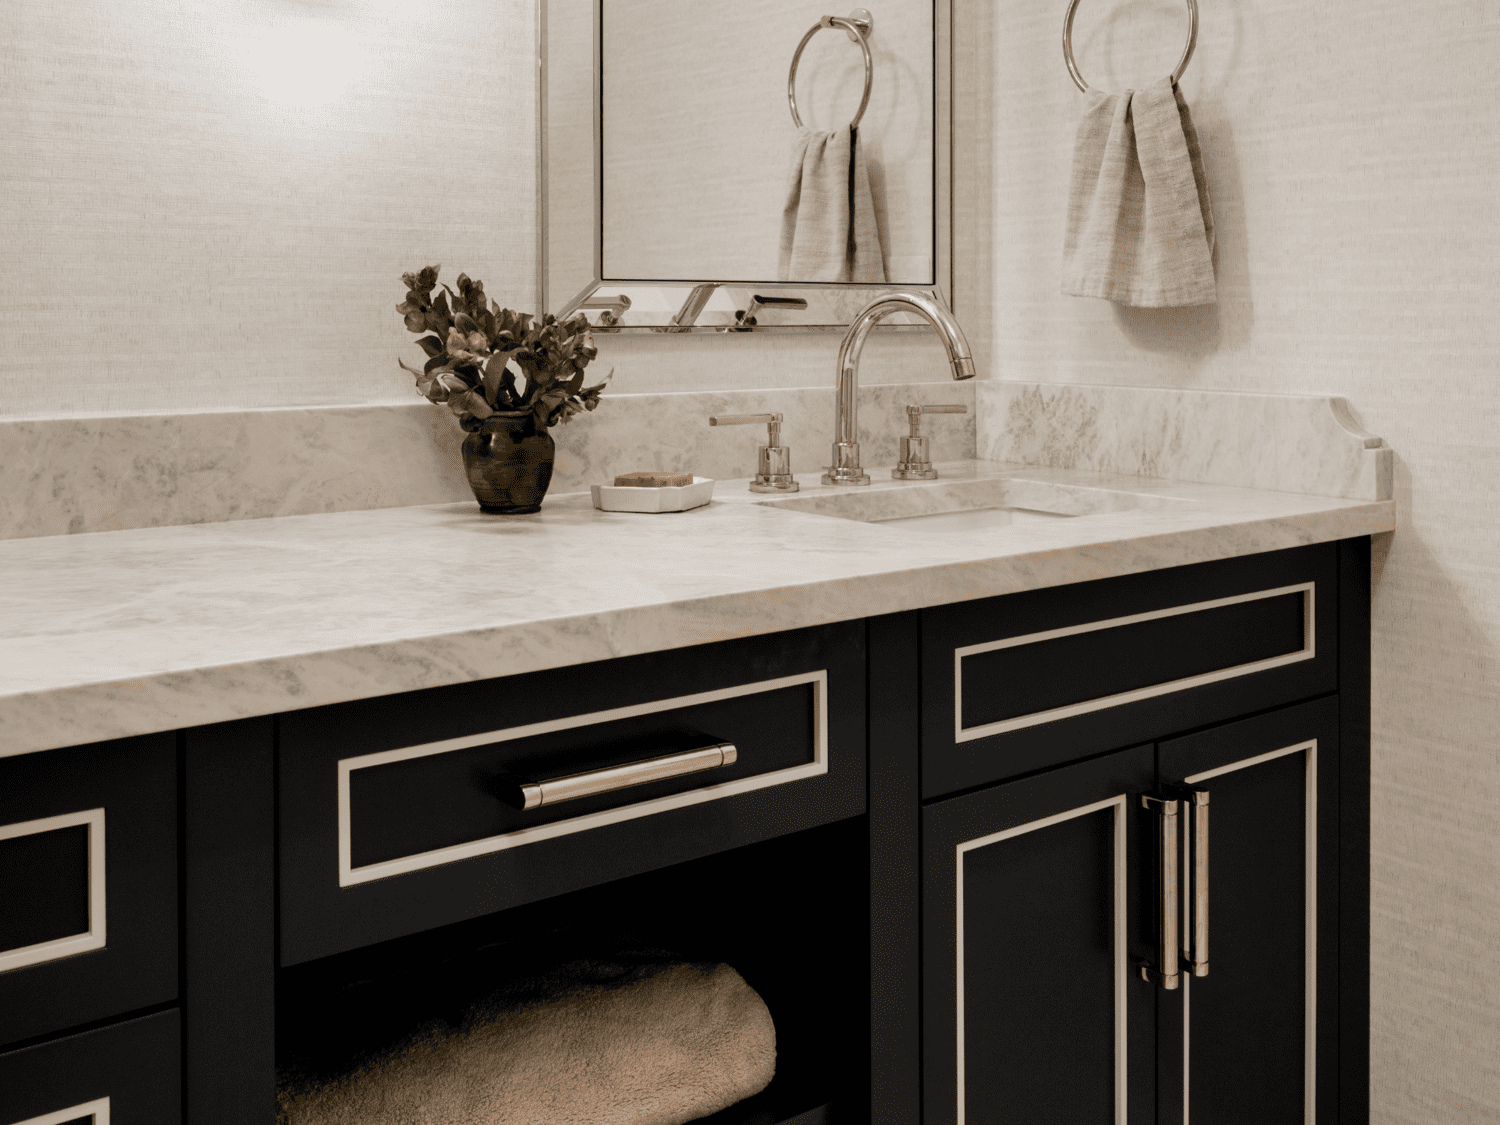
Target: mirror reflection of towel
point(1140, 223)
point(828, 227)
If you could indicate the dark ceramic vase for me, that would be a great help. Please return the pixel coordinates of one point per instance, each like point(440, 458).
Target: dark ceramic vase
point(509, 464)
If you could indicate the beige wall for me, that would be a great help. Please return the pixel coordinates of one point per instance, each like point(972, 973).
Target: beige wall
point(210, 205)
point(1353, 150)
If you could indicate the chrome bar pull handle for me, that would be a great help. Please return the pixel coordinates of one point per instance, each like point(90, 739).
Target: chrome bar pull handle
point(523, 794)
point(1196, 802)
point(1165, 972)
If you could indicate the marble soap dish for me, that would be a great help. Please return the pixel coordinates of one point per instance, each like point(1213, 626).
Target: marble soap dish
point(615, 498)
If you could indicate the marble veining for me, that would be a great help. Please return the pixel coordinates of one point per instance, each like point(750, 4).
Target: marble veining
point(1289, 443)
point(70, 475)
point(117, 633)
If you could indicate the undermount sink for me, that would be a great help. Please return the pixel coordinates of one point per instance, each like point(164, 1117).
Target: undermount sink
point(964, 506)
point(973, 519)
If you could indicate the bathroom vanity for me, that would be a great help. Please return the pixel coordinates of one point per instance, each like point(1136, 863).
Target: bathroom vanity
point(941, 850)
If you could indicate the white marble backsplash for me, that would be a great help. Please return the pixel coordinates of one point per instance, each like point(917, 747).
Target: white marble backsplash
point(1309, 444)
point(108, 473)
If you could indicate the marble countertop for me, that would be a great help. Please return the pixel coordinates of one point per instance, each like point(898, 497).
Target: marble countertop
point(119, 633)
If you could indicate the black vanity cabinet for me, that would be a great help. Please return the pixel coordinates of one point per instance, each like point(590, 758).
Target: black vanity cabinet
point(938, 850)
point(1049, 891)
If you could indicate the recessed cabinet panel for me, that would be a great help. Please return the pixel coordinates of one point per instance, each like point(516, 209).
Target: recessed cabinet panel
point(776, 727)
point(1027, 681)
point(128, 1073)
point(1059, 878)
point(44, 882)
point(1255, 1037)
point(88, 883)
point(401, 814)
point(1033, 1007)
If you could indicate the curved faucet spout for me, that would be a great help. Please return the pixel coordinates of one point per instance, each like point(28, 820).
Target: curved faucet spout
point(845, 468)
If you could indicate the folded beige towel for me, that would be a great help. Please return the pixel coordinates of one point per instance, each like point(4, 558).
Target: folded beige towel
point(1140, 223)
point(654, 1045)
point(828, 227)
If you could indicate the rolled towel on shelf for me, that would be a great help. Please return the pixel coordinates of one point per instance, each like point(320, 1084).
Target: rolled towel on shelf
point(621, 1042)
point(1140, 221)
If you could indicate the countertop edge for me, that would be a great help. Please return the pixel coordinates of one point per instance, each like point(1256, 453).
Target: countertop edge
point(79, 714)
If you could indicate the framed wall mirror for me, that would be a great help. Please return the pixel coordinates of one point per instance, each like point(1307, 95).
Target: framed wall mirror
point(680, 193)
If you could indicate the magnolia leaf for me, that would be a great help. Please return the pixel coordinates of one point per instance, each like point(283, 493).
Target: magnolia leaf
point(440, 306)
point(411, 370)
point(431, 345)
point(437, 363)
point(477, 406)
point(514, 395)
point(494, 372)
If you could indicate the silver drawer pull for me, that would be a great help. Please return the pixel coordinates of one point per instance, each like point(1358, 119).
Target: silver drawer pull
point(1165, 971)
point(520, 793)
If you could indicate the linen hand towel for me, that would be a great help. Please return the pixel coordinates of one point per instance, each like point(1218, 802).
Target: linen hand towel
point(1140, 222)
point(828, 227)
point(590, 1043)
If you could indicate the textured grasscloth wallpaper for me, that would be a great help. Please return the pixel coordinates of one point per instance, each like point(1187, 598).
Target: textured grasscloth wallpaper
point(1353, 151)
point(210, 204)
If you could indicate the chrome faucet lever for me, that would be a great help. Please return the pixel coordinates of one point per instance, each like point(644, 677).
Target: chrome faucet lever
point(915, 464)
point(845, 468)
point(775, 470)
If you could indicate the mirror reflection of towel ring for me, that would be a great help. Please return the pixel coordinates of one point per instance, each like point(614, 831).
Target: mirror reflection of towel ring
point(1187, 53)
point(859, 24)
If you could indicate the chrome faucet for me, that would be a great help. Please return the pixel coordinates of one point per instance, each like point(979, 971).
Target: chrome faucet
point(845, 468)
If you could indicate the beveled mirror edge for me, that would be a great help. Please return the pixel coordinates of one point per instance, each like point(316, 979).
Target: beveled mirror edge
point(942, 211)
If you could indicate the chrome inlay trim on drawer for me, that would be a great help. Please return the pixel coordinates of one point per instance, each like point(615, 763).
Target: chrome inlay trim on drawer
point(91, 939)
point(97, 1110)
point(1310, 923)
point(969, 734)
point(351, 876)
point(1119, 934)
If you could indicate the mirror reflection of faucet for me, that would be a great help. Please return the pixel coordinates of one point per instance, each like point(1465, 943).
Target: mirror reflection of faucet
point(744, 319)
point(845, 468)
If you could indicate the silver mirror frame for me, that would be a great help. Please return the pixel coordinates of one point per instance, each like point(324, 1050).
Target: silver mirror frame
point(608, 302)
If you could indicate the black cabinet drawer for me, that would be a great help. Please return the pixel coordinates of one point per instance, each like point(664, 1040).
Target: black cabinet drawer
point(126, 1074)
point(1027, 681)
point(393, 814)
point(88, 883)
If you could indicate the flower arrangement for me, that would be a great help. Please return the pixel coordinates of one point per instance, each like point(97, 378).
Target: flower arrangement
point(471, 343)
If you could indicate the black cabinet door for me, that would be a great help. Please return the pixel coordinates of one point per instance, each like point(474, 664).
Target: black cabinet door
point(1254, 1042)
point(1034, 1010)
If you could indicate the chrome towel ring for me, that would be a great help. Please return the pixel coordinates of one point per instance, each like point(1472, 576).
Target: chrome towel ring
point(859, 24)
point(1187, 53)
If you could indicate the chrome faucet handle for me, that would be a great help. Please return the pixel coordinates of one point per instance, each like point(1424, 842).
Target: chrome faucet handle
point(914, 464)
point(775, 470)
